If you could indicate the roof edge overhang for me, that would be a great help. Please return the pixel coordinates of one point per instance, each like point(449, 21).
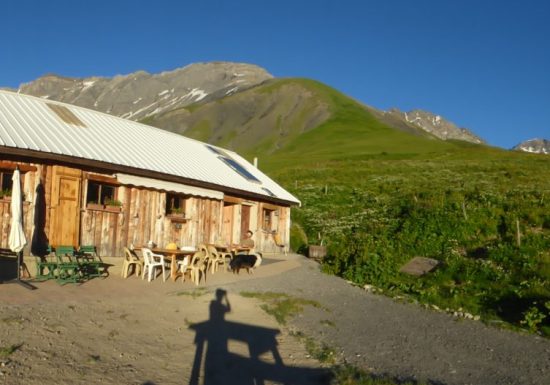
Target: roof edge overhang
point(105, 167)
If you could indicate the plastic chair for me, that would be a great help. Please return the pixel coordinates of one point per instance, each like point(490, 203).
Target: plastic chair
point(150, 262)
point(195, 268)
point(131, 260)
point(216, 258)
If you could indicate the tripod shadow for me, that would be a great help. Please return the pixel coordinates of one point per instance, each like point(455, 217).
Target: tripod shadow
point(224, 367)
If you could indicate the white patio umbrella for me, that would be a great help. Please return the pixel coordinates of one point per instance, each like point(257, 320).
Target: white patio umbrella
point(17, 239)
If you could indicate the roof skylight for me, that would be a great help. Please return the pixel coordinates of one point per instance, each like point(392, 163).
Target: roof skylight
point(65, 115)
point(239, 169)
point(269, 192)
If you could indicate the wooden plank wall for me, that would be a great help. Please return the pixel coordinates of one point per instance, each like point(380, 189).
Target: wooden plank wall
point(142, 218)
point(264, 240)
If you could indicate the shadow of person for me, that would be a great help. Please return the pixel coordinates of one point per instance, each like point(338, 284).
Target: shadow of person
point(224, 367)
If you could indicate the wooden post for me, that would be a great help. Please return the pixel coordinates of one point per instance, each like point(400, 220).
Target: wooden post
point(464, 211)
point(518, 233)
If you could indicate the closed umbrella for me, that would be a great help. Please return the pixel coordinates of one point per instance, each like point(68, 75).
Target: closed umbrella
point(17, 239)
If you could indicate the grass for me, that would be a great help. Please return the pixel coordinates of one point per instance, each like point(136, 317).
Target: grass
point(328, 323)
point(281, 305)
point(462, 208)
point(350, 375)
point(13, 320)
point(195, 293)
point(94, 358)
point(6, 351)
point(321, 352)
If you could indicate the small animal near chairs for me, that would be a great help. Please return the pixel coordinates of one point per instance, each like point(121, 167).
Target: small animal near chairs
point(131, 261)
point(150, 262)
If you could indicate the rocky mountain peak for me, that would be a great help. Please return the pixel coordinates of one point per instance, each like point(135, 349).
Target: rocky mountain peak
point(139, 94)
point(436, 125)
point(536, 146)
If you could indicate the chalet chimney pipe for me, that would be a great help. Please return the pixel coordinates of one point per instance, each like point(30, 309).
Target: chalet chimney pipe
point(256, 162)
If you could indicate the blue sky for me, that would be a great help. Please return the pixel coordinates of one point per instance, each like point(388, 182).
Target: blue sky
point(484, 65)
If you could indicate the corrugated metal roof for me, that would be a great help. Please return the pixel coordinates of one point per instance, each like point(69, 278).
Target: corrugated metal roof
point(27, 122)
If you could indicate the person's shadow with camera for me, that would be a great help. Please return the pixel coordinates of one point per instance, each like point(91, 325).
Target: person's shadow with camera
point(223, 367)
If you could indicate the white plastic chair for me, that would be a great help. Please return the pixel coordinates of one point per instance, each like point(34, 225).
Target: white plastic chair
point(150, 262)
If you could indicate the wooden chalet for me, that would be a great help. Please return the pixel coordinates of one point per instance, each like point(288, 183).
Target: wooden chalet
point(90, 178)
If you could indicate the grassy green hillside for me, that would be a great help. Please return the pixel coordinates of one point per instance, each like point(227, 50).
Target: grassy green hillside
point(464, 208)
point(378, 196)
point(287, 120)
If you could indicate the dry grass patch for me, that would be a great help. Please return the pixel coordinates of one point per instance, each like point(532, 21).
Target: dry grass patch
point(281, 305)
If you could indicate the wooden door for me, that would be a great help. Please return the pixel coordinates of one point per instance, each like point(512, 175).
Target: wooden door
point(227, 224)
point(65, 206)
point(245, 220)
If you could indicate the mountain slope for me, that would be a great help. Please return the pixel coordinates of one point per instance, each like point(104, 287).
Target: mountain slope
point(536, 146)
point(296, 118)
point(436, 125)
point(242, 107)
point(140, 94)
point(270, 115)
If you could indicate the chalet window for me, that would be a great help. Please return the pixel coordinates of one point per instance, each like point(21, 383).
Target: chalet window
point(267, 219)
point(100, 193)
point(175, 204)
point(6, 183)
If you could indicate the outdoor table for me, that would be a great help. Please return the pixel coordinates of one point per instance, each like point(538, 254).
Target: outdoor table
point(174, 254)
point(235, 249)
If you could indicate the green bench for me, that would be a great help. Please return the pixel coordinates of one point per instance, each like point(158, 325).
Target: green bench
point(91, 263)
point(46, 267)
point(68, 269)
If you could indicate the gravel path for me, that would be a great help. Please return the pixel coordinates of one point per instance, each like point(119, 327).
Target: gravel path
point(117, 331)
point(403, 340)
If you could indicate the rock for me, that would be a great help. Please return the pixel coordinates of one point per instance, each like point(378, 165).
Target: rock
point(419, 266)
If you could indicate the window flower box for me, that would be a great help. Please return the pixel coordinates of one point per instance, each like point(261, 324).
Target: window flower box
point(113, 209)
point(94, 206)
point(177, 217)
point(108, 208)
